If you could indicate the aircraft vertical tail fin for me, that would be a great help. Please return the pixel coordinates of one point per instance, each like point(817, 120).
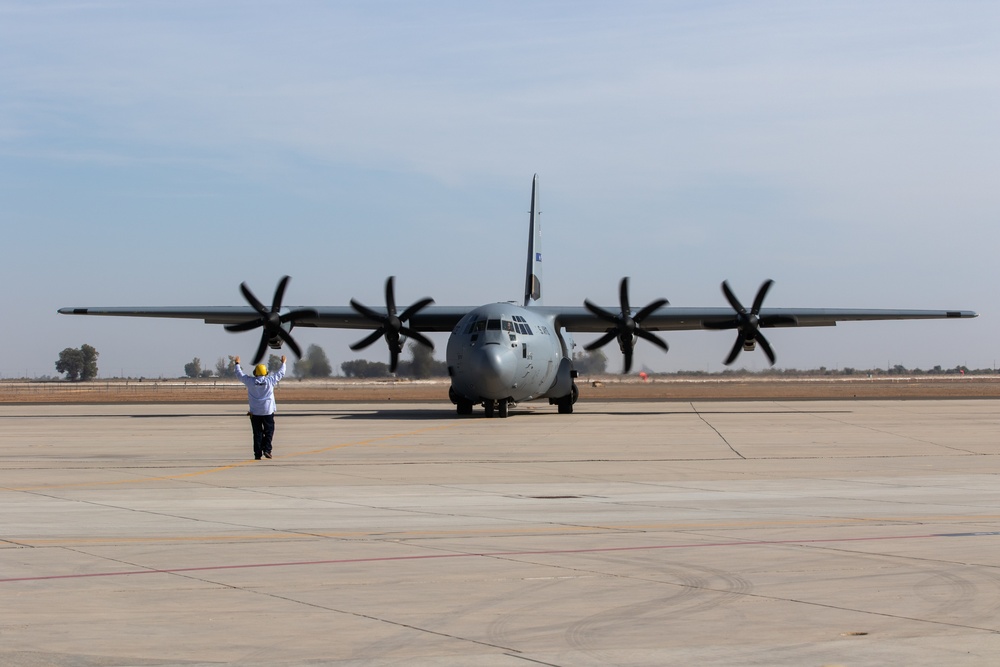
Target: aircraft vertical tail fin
point(533, 274)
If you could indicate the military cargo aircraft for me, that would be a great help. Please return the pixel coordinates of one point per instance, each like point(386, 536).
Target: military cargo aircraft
point(500, 354)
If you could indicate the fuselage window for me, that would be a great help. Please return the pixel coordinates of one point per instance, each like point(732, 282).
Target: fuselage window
point(476, 327)
point(493, 325)
point(508, 325)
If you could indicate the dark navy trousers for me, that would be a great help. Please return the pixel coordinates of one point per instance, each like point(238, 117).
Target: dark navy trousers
point(263, 431)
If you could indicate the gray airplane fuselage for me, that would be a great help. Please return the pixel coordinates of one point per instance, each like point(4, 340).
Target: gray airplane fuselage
point(502, 352)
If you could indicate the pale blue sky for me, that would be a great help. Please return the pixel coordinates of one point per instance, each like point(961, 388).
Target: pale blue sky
point(159, 153)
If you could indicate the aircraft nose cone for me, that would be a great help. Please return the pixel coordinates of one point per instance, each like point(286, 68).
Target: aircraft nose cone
point(493, 368)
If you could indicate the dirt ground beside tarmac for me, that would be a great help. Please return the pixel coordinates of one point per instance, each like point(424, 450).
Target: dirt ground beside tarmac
point(604, 388)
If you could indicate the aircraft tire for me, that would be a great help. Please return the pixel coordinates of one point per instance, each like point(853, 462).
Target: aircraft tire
point(565, 404)
point(489, 406)
point(504, 409)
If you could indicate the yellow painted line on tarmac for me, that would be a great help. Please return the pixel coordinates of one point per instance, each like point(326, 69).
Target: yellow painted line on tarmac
point(231, 466)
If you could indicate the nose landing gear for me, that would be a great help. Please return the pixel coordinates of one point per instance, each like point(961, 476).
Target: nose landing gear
point(499, 408)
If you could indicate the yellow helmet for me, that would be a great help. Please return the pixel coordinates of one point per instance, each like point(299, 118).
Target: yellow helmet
point(259, 370)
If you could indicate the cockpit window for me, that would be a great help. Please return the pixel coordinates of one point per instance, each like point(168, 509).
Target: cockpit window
point(515, 325)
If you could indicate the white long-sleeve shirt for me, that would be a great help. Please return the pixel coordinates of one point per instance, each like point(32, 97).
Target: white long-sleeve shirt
point(260, 390)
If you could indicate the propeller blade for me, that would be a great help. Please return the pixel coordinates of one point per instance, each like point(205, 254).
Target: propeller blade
point(368, 340)
point(415, 308)
point(244, 326)
point(279, 294)
point(623, 296)
point(764, 345)
point(731, 298)
point(301, 314)
point(285, 336)
point(652, 338)
point(261, 348)
point(390, 295)
point(628, 358)
point(368, 312)
point(648, 309)
point(600, 312)
point(761, 293)
point(393, 358)
point(735, 352)
point(602, 341)
point(417, 336)
point(252, 300)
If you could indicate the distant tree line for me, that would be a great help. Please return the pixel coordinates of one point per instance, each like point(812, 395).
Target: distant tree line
point(422, 365)
point(895, 370)
point(80, 364)
point(315, 364)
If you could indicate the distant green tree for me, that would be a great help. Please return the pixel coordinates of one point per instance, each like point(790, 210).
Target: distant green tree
point(78, 363)
point(193, 369)
point(224, 368)
point(89, 371)
point(314, 364)
point(423, 364)
point(273, 363)
point(70, 362)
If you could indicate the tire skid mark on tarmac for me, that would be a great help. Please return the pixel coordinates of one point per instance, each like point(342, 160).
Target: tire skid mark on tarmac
point(697, 588)
point(488, 554)
point(893, 433)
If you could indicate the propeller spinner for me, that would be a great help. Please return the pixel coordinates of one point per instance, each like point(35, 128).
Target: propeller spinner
point(391, 326)
point(625, 325)
point(271, 321)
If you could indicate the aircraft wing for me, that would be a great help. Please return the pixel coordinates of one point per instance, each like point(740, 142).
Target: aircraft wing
point(444, 318)
point(430, 318)
point(668, 318)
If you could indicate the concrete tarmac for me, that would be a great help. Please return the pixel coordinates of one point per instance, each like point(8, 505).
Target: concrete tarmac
point(629, 533)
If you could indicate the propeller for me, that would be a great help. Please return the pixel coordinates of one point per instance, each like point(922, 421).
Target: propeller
point(391, 326)
point(626, 326)
point(271, 321)
point(748, 325)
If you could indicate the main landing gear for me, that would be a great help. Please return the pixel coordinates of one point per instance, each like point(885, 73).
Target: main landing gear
point(501, 408)
point(565, 403)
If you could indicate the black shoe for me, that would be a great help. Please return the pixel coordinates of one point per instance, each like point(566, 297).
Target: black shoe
point(256, 458)
point(267, 455)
